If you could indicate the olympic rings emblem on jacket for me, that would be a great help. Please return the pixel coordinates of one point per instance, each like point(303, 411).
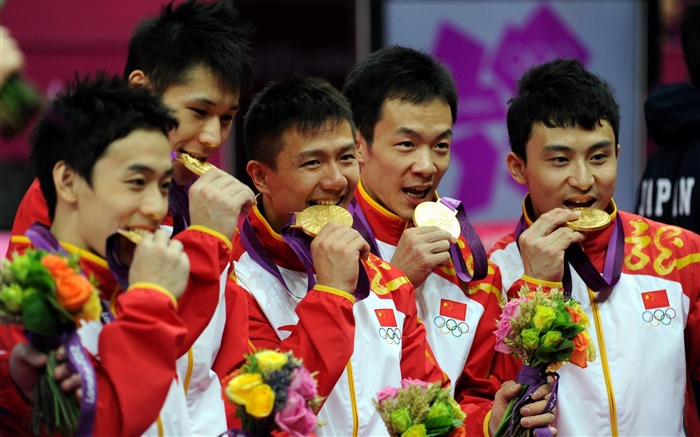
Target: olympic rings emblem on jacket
point(390, 335)
point(450, 326)
point(659, 316)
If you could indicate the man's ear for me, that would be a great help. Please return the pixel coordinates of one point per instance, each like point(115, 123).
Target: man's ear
point(64, 179)
point(258, 173)
point(362, 148)
point(138, 77)
point(516, 168)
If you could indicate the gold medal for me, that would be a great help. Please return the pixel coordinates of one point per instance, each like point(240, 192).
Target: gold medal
point(133, 235)
point(312, 219)
point(592, 219)
point(437, 214)
point(193, 164)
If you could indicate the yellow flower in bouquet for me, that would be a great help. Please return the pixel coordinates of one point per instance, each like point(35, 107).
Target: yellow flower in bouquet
point(545, 331)
point(274, 394)
point(47, 294)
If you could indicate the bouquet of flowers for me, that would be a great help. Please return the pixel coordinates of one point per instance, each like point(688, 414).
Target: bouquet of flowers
point(545, 330)
point(19, 102)
point(419, 409)
point(48, 296)
point(274, 394)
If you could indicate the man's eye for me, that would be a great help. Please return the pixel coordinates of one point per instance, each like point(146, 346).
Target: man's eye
point(137, 182)
point(405, 144)
point(442, 146)
point(348, 157)
point(198, 111)
point(600, 157)
point(311, 163)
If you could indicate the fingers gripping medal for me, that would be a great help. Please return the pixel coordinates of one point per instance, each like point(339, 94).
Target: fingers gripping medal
point(592, 219)
point(312, 219)
point(437, 214)
point(193, 164)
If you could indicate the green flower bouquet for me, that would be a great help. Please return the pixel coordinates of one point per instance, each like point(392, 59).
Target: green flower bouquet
point(419, 409)
point(47, 294)
point(545, 331)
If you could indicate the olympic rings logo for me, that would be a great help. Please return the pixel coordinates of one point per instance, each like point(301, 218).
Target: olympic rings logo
point(390, 335)
point(450, 326)
point(659, 317)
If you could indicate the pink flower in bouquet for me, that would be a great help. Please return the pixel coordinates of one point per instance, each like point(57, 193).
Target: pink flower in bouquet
point(296, 417)
point(510, 310)
point(303, 383)
point(407, 382)
point(387, 392)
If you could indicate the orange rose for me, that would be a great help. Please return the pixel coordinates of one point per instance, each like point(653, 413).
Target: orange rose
point(578, 357)
point(575, 315)
point(57, 266)
point(73, 291)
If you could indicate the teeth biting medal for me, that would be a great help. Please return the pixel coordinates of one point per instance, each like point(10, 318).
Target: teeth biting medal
point(133, 235)
point(193, 164)
point(437, 214)
point(312, 219)
point(591, 219)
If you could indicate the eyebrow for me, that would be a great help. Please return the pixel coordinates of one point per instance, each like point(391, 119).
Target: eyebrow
point(549, 148)
point(141, 168)
point(208, 102)
point(316, 152)
point(447, 133)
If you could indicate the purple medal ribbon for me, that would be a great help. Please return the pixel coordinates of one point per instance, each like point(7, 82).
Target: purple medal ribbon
point(361, 225)
point(474, 243)
point(612, 269)
point(301, 245)
point(42, 239)
point(534, 378)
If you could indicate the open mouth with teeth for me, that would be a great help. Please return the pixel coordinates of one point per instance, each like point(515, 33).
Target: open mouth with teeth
point(326, 202)
point(417, 193)
point(571, 204)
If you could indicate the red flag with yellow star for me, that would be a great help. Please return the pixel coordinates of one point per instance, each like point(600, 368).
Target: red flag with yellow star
point(453, 310)
point(655, 299)
point(386, 317)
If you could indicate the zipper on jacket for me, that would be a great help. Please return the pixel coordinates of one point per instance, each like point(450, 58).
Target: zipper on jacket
point(353, 400)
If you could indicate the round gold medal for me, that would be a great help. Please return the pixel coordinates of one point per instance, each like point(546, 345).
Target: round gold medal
point(312, 219)
point(437, 214)
point(592, 219)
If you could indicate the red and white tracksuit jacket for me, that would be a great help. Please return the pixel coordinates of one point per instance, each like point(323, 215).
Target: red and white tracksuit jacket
point(358, 348)
point(459, 318)
point(646, 331)
point(133, 356)
point(211, 302)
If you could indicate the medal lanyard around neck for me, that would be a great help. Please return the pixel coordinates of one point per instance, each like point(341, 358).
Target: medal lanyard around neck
point(574, 255)
point(300, 244)
point(473, 241)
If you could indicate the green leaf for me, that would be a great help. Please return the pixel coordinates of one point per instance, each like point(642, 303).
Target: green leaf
point(38, 317)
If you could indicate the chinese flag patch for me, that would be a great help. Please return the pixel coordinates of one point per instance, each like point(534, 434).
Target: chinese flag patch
point(453, 310)
point(386, 317)
point(655, 299)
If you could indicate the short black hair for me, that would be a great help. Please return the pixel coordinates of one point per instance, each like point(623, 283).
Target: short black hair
point(690, 40)
point(82, 121)
point(396, 72)
point(559, 93)
point(194, 34)
point(303, 103)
